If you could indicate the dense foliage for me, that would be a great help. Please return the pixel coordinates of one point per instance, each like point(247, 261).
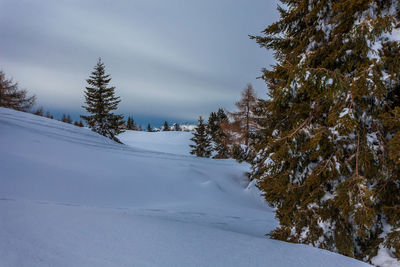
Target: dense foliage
point(328, 155)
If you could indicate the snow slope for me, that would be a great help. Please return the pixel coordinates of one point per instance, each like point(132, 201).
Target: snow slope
point(69, 197)
point(170, 142)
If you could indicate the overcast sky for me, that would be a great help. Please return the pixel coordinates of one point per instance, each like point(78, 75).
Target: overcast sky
point(169, 59)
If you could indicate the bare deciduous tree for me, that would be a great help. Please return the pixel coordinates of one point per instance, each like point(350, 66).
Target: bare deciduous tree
point(244, 118)
point(11, 96)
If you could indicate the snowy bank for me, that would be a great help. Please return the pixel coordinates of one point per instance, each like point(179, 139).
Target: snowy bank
point(69, 197)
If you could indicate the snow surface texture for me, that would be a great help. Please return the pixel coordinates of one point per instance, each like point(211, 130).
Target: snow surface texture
point(69, 197)
point(169, 141)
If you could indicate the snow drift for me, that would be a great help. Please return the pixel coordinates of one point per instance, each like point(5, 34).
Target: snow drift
point(69, 197)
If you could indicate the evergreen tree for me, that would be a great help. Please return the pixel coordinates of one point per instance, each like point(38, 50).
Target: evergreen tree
point(128, 123)
point(131, 124)
point(134, 126)
point(328, 159)
point(149, 129)
point(218, 136)
point(100, 102)
point(165, 127)
point(388, 189)
point(202, 142)
point(213, 124)
point(66, 118)
point(11, 96)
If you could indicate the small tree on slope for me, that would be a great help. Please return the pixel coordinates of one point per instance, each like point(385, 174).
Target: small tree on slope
point(329, 156)
point(202, 142)
point(100, 102)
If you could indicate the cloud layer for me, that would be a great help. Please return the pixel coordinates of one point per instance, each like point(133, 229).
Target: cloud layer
point(177, 59)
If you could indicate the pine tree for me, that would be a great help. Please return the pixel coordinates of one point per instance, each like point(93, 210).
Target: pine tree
point(213, 124)
point(202, 142)
point(244, 117)
point(218, 136)
point(328, 158)
point(11, 96)
point(100, 102)
point(165, 127)
point(66, 118)
point(128, 123)
point(149, 129)
point(131, 124)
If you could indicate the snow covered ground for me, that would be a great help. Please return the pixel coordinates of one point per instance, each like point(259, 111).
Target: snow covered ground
point(69, 197)
point(169, 142)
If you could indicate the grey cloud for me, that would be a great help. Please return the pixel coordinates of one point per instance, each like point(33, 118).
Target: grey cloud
point(177, 58)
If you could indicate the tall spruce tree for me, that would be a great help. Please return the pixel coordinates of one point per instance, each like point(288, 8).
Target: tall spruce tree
point(100, 103)
point(202, 142)
point(218, 136)
point(149, 129)
point(329, 156)
point(213, 124)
